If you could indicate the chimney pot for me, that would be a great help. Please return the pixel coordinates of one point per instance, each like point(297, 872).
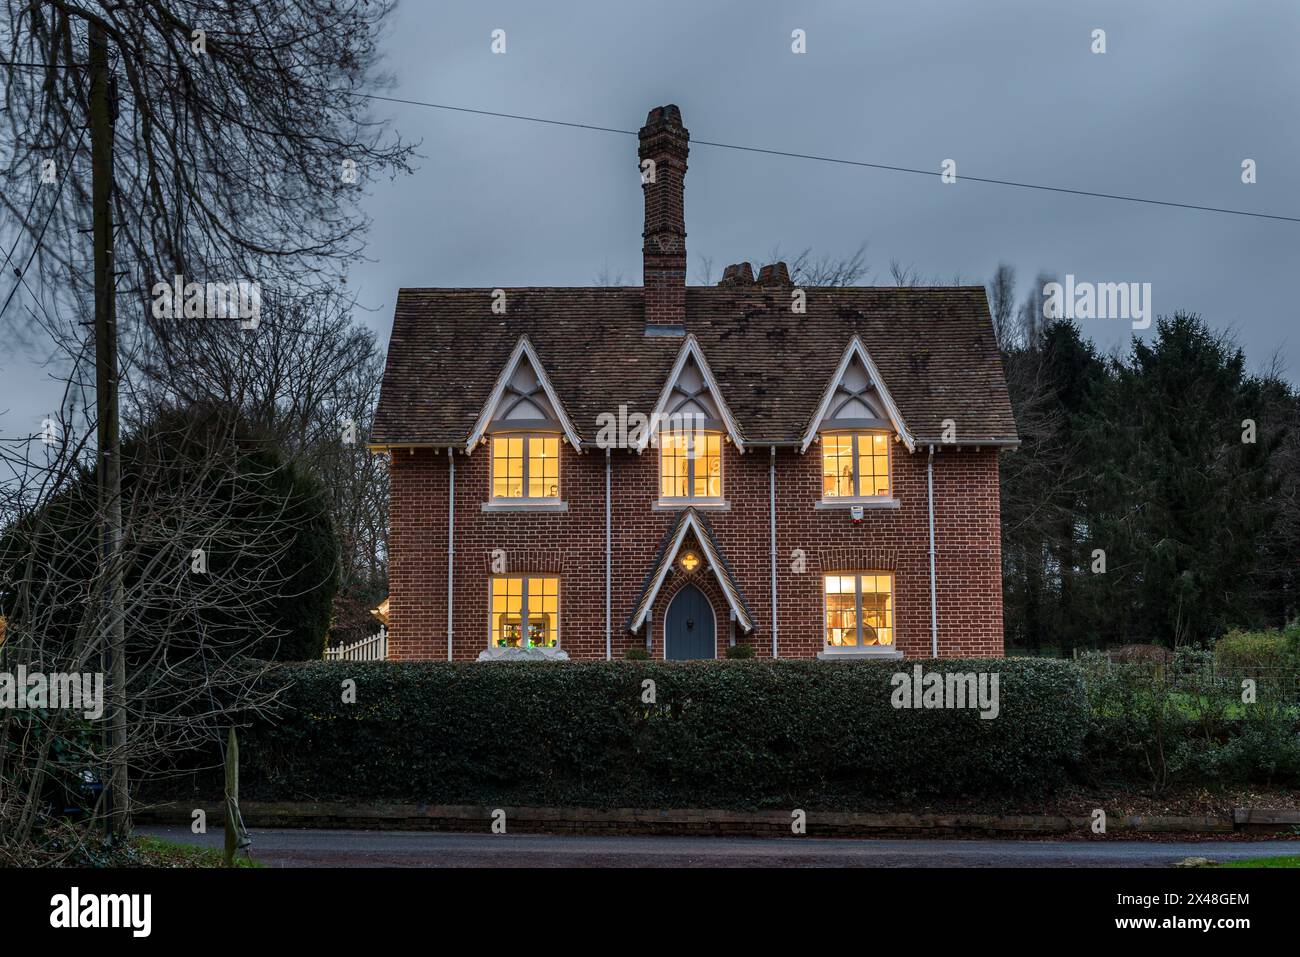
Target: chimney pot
point(738, 274)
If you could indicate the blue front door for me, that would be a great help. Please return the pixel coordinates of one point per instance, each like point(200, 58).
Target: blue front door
point(688, 627)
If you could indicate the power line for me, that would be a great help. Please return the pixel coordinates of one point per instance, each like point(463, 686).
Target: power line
point(1095, 194)
point(846, 162)
point(508, 116)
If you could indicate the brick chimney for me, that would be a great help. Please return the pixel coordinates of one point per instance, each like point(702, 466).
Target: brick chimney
point(776, 274)
point(737, 274)
point(665, 142)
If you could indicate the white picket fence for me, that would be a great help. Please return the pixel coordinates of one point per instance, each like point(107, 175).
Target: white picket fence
point(374, 648)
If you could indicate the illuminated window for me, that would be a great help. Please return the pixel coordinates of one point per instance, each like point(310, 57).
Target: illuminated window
point(860, 611)
point(525, 612)
point(690, 465)
point(525, 466)
point(690, 561)
point(855, 464)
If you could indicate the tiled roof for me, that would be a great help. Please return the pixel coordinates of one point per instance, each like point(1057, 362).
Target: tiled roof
point(933, 346)
point(667, 554)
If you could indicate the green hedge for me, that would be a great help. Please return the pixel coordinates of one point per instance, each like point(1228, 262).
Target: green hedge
point(1185, 724)
point(1267, 651)
point(721, 734)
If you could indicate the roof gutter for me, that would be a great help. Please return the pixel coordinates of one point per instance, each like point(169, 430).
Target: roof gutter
point(390, 446)
point(991, 443)
point(1003, 443)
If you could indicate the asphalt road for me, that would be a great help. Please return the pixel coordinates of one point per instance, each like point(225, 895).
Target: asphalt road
point(338, 848)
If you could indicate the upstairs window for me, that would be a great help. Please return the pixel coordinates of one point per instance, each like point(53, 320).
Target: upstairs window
point(525, 612)
point(689, 423)
point(690, 465)
point(525, 467)
point(855, 464)
point(857, 425)
point(526, 429)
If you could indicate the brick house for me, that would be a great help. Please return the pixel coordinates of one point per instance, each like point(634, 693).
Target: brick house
point(576, 472)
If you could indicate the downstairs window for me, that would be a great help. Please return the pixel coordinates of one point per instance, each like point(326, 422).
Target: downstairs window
point(525, 612)
point(860, 611)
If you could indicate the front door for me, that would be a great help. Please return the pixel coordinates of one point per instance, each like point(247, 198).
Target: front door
point(688, 626)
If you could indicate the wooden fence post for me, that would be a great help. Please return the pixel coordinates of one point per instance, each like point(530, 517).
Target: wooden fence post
point(232, 798)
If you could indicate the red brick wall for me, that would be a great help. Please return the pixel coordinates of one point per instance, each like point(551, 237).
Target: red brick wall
point(572, 543)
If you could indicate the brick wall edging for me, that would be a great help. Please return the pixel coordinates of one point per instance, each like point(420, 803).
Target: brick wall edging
point(478, 818)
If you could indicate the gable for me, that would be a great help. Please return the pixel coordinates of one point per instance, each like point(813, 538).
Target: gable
point(692, 396)
point(524, 403)
point(857, 398)
point(856, 402)
point(522, 399)
point(692, 399)
point(690, 526)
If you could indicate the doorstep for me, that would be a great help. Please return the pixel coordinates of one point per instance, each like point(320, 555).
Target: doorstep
point(568, 820)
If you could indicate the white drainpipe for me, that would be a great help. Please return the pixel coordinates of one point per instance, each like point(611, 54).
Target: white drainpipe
point(609, 652)
point(451, 539)
point(934, 610)
point(771, 479)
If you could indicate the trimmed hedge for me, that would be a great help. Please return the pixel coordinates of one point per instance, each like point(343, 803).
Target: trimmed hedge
point(721, 734)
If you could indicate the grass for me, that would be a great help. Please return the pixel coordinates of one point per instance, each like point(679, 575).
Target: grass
point(154, 852)
point(1292, 860)
point(67, 845)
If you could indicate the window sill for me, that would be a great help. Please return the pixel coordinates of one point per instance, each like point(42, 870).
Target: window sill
point(523, 654)
point(703, 504)
point(871, 502)
point(861, 655)
point(524, 505)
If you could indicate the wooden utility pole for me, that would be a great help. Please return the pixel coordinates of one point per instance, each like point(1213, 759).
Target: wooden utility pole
point(103, 109)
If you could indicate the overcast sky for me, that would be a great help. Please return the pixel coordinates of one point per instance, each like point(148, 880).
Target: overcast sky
point(1008, 89)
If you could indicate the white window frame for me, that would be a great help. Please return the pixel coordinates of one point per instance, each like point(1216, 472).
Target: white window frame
point(857, 498)
point(693, 499)
point(525, 499)
point(523, 606)
point(884, 651)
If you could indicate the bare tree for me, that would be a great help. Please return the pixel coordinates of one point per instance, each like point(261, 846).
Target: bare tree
point(228, 143)
point(705, 271)
point(1002, 303)
point(240, 142)
point(308, 376)
point(1031, 323)
point(199, 569)
point(910, 276)
point(808, 269)
point(607, 278)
